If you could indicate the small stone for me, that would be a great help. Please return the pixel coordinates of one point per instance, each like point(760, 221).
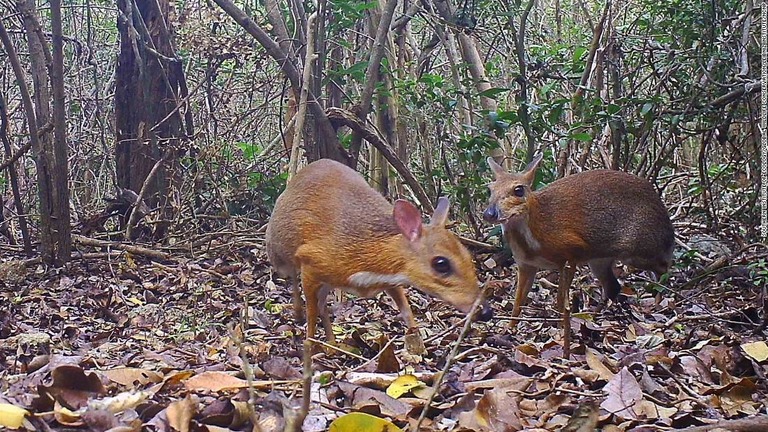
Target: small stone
point(490, 263)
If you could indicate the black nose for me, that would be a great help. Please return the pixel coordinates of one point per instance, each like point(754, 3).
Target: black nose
point(486, 312)
point(491, 214)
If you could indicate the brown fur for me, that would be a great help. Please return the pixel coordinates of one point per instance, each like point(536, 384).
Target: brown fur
point(593, 217)
point(329, 225)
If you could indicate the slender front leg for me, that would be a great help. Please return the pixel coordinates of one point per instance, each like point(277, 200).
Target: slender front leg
point(401, 300)
point(525, 276)
point(413, 342)
point(564, 304)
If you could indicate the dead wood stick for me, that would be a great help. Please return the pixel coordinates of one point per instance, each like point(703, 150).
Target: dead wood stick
point(478, 244)
point(77, 257)
point(136, 250)
point(237, 337)
point(341, 116)
point(450, 359)
point(749, 424)
point(709, 270)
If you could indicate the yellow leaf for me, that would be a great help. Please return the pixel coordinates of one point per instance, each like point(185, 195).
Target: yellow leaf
point(12, 416)
point(758, 351)
point(120, 402)
point(135, 301)
point(242, 413)
point(361, 422)
point(586, 316)
point(66, 416)
point(402, 385)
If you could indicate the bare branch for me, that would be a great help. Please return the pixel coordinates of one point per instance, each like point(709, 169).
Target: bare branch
point(349, 119)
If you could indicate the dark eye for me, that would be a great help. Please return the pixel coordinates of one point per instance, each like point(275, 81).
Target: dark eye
point(442, 265)
point(519, 191)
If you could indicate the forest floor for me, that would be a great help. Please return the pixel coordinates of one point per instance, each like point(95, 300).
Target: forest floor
point(125, 341)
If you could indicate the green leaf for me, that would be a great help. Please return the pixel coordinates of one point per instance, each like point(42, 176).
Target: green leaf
point(364, 6)
point(578, 53)
point(494, 91)
point(612, 108)
point(361, 422)
point(356, 71)
point(249, 150)
point(647, 107)
point(581, 136)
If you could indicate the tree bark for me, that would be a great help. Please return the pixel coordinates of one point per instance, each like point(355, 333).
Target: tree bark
point(148, 122)
point(476, 66)
point(522, 80)
point(62, 231)
point(52, 215)
point(11, 161)
point(372, 74)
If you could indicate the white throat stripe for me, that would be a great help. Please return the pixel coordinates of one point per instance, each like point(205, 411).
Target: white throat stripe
point(365, 279)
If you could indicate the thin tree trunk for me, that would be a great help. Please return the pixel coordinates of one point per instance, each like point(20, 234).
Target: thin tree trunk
point(19, 204)
point(326, 143)
point(301, 112)
point(452, 53)
point(372, 74)
point(404, 55)
point(62, 231)
point(618, 130)
point(39, 57)
point(522, 81)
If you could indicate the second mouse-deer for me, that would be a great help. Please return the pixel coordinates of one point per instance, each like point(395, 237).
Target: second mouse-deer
point(335, 231)
point(593, 217)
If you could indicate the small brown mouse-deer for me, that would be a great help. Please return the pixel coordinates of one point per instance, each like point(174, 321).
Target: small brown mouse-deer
point(593, 217)
point(335, 231)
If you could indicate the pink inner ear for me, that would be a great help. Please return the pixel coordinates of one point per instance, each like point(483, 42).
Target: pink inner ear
point(408, 219)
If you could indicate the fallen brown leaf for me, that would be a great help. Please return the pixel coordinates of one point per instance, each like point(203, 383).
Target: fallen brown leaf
point(623, 393)
point(181, 412)
point(215, 382)
point(584, 418)
point(496, 411)
point(132, 376)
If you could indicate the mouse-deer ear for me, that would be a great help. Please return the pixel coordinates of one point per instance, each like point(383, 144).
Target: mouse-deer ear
point(440, 216)
point(408, 219)
point(497, 169)
point(530, 171)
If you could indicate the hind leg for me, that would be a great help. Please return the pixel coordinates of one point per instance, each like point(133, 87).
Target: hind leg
point(298, 302)
point(322, 307)
point(603, 270)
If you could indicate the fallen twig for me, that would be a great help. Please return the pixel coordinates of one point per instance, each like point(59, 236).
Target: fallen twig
point(749, 424)
point(450, 359)
point(136, 250)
